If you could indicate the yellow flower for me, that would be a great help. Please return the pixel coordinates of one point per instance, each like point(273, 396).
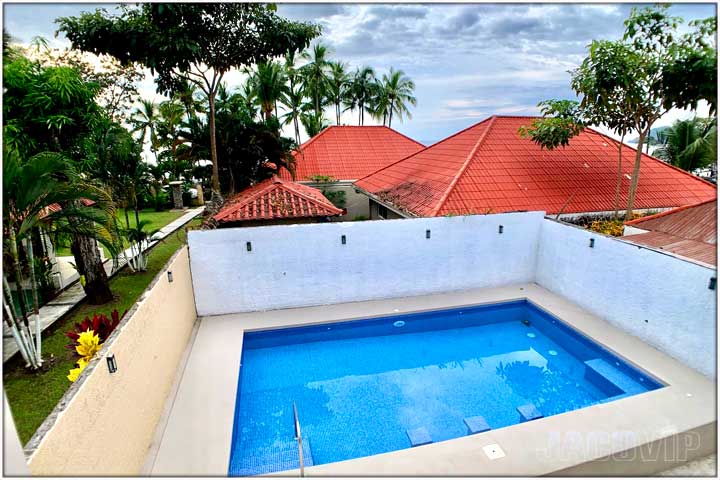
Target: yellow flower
point(88, 345)
point(75, 372)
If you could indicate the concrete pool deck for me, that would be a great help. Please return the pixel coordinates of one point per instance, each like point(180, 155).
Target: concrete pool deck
point(637, 435)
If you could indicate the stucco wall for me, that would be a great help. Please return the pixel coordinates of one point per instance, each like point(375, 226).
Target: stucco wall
point(301, 265)
point(105, 423)
point(661, 299)
point(356, 203)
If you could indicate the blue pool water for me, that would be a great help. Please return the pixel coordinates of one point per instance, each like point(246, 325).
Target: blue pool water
point(360, 387)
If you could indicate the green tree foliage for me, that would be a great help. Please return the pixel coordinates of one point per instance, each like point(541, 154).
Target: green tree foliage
point(362, 91)
point(394, 95)
point(315, 76)
point(313, 123)
point(53, 110)
point(268, 82)
point(689, 144)
point(190, 43)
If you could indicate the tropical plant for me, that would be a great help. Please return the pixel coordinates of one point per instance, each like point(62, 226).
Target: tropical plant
point(315, 76)
point(362, 90)
point(268, 82)
point(193, 43)
point(139, 240)
point(88, 344)
point(52, 109)
point(395, 93)
point(313, 123)
point(99, 324)
point(30, 189)
point(144, 120)
point(338, 82)
point(689, 144)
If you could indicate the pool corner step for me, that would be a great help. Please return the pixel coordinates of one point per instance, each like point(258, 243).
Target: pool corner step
point(529, 412)
point(419, 436)
point(476, 424)
point(609, 379)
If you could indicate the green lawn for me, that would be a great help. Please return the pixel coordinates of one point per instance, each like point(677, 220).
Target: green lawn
point(157, 220)
point(32, 396)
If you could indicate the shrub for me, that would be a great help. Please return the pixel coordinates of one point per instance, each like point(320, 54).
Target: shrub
point(101, 325)
point(607, 227)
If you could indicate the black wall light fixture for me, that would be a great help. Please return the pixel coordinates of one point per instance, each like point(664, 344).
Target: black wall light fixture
point(500, 229)
point(343, 239)
point(248, 245)
point(170, 278)
point(427, 233)
point(713, 283)
point(111, 363)
point(592, 243)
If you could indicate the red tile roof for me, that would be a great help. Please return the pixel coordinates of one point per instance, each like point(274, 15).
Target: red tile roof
point(55, 207)
point(489, 168)
point(689, 231)
point(350, 152)
point(274, 199)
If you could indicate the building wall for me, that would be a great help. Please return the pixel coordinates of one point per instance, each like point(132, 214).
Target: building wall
point(301, 265)
point(661, 299)
point(356, 203)
point(105, 422)
point(375, 212)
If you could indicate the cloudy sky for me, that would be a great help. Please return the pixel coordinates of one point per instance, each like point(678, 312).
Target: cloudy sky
point(468, 61)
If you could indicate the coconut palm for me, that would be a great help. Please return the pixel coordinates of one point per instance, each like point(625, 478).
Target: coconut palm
point(247, 97)
point(30, 189)
point(689, 144)
point(268, 81)
point(315, 75)
point(313, 123)
point(144, 120)
point(362, 89)
point(397, 93)
point(338, 81)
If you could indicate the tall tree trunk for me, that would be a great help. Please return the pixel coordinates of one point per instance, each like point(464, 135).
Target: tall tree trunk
point(89, 264)
point(297, 128)
point(618, 181)
point(635, 176)
point(213, 146)
point(390, 116)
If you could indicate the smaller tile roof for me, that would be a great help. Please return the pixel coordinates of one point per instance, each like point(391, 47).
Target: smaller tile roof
point(55, 207)
point(347, 152)
point(275, 199)
point(689, 231)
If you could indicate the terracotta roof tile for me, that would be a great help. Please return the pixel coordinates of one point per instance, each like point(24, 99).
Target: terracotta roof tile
point(350, 152)
point(689, 231)
point(275, 199)
point(488, 167)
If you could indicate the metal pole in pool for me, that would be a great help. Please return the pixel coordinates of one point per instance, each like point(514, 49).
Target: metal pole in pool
point(298, 437)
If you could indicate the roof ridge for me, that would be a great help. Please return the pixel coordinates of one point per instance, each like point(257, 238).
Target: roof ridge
point(401, 134)
point(304, 145)
point(233, 205)
point(650, 157)
point(668, 212)
point(463, 168)
point(423, 149)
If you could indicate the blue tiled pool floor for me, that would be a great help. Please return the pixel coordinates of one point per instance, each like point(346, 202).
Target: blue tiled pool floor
point(361, 395)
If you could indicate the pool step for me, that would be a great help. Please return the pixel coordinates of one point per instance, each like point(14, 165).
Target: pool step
point(419, 436)
point(529, 412)
point(476, 424)
point(609, 379)
point(277, 458)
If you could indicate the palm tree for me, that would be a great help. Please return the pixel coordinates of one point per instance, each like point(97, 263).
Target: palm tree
point(30, 188)
point(337, 86)
point(246, 96)
point(313, 123)
point(363, 88)
point(186, 96)
point(315, 75)
point(144, 120)
point(397, 89)
point(268, 81)
point(689, 144)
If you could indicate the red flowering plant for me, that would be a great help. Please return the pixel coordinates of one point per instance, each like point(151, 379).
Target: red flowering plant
point(101, 325)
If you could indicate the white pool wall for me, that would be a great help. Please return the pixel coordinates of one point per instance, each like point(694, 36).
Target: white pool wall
point(305, 265)
point(664, 300)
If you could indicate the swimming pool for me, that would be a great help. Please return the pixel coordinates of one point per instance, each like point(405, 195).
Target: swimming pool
point(365, 387)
